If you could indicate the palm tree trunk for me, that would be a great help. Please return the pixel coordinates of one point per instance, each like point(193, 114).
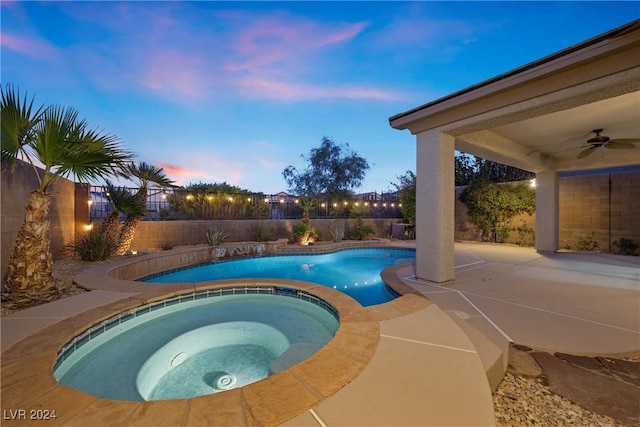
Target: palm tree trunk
point(127, 232)
point(111, 223)
point(128, 229)
point(30, 275)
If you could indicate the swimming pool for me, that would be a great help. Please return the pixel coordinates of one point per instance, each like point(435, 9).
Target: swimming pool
point(356, 272)
point(198, 343)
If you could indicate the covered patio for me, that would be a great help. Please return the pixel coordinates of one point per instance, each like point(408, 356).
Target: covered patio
point(537, 117)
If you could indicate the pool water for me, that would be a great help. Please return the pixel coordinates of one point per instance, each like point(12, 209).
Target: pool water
point(356, 272)
point(181, 348)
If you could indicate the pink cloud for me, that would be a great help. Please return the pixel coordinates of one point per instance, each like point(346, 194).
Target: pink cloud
point(267, 88)
point(175, 73)
point(32, 47)
point(273, 42)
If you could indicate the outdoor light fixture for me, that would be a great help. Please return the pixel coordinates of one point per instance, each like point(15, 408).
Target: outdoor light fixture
point(335, 205)
point(88, 227)
point(532, 183)
point(189, 197)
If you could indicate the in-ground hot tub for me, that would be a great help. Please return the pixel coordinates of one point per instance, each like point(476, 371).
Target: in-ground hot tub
point(198, 343)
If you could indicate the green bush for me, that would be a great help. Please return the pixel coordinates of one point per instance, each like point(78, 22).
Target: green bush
point(491, 207)
point(305, 235)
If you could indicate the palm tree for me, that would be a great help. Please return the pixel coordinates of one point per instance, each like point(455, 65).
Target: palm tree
point(55, 139)
point(144, 174)
point(123, 201)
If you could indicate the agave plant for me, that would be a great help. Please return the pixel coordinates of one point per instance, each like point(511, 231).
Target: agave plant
point(56, 139)
point(215, 236)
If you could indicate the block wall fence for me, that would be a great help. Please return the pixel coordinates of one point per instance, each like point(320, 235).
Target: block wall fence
point(601, 208)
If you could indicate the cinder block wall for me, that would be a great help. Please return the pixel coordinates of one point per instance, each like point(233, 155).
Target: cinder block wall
point(601, 208)
point(155, 234)
point(17, 186)
point(589, 209)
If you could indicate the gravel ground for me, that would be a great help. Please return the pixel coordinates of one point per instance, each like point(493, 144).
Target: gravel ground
point(522, 401)
point(518, 401)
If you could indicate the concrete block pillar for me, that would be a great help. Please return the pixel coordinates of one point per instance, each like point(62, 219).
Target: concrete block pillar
point(435, 204)
point(82, 209)
point(547, 211)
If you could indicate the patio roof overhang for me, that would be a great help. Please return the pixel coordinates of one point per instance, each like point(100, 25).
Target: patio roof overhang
point(539, 116)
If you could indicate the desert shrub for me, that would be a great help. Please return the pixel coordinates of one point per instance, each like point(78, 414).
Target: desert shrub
point(337, 233)
point(261, 232)
point(215, 236)
point(97, 245)
point(588, 244)
point(624, 246)
point(361, 231)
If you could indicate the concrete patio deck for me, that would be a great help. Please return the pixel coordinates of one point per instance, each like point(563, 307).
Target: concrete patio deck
point(433, 364)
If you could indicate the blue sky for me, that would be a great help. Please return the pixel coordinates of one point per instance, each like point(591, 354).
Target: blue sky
point(236, 91)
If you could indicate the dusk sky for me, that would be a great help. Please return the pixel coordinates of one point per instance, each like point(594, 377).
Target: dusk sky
point(237, 91)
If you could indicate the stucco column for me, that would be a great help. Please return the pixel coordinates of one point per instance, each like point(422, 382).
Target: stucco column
point(547, 211)
point(435, 204)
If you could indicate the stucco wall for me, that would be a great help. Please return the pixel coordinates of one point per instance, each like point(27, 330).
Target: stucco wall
point(17, 186)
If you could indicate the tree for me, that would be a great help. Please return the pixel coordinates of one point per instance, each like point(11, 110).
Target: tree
point(333, 170)
point(492, 206)
point(215, 201)
point(469, 169)
point(63, 145)
point(304, 233)
point(407, 190)
point(122, 201)
point(144, 174)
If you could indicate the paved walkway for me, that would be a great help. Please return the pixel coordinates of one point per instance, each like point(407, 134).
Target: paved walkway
point(566, 302)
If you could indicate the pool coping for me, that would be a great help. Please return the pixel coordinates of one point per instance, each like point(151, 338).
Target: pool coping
point(27, 367)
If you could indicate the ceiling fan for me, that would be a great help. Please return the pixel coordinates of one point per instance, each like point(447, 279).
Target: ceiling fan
point(599, 140)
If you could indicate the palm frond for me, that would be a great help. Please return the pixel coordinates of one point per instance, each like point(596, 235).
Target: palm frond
point(147, 173)
point(18, 119)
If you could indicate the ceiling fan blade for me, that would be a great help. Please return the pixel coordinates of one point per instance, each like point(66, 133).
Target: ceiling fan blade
point(624, 141)
point(619, 146)
point(584, 153)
